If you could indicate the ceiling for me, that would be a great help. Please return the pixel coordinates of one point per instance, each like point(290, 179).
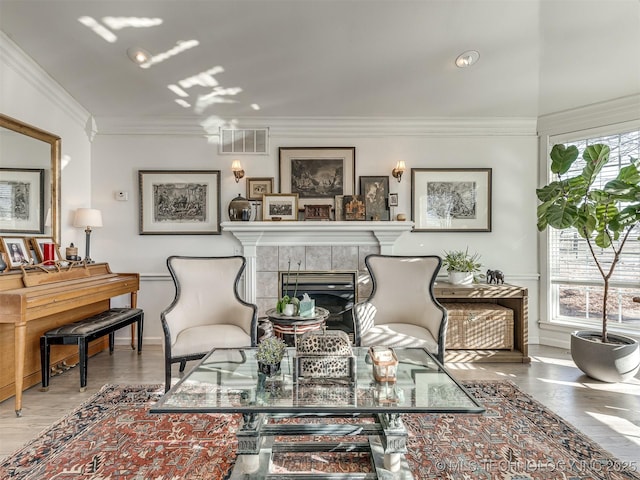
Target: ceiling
point(324, 58)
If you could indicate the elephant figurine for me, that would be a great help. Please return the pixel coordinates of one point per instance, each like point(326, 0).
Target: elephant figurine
point(495, 276)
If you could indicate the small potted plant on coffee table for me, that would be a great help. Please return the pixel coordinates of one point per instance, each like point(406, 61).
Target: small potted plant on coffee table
point(269, 355)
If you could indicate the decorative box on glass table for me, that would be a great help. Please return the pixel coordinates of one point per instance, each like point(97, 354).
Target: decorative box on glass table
point(227, 381)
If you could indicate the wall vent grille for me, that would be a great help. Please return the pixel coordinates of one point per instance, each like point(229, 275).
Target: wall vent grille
point(244, 140)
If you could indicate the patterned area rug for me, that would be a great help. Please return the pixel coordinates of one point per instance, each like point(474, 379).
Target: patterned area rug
point(113, 436)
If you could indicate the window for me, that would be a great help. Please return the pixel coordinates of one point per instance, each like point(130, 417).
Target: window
point(576, 284)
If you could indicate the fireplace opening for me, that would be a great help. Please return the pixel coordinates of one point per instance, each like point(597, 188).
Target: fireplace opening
point(333, 290)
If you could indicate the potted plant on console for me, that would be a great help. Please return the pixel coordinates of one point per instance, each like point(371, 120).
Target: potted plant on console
point(604, 216)
point(461, 266)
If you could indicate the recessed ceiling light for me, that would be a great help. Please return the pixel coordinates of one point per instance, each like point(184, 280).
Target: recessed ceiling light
point(138, 55)
point(467, 58)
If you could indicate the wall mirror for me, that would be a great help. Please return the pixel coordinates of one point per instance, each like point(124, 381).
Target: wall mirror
point(29, 180)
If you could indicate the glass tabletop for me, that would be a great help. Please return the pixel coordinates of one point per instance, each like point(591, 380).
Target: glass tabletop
point(228, 381)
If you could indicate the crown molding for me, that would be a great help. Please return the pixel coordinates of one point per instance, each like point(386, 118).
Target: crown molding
point(322, 126)
point(597, 115)
point(31, 73)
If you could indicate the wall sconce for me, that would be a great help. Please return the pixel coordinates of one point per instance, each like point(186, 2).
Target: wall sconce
point(236, 168)
point(399, 170)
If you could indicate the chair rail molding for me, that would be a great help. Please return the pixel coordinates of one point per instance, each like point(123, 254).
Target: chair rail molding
point(254, 234)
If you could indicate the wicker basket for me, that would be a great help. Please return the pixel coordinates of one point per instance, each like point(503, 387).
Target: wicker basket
point(479, 326)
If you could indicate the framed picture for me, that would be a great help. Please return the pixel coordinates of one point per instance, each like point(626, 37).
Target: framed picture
point(179, 202)
point(38, 246)
point(451, 199)
point(374, 191)
point(22, 200)
point(354, 208)
point(317, 174)
point(256, 187)
point(393, 199)
point(16, 250)
point(317, 212)
point(280, 206)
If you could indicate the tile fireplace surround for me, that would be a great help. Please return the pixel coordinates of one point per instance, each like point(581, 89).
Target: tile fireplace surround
point(319, 246)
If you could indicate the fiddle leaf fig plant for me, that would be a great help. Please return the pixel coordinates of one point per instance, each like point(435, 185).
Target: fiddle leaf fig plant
point(603, 215)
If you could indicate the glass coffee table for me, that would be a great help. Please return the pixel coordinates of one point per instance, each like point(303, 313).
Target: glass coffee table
point(227, 381)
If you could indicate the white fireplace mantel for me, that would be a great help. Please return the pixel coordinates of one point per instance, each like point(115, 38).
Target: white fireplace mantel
point(254, 234)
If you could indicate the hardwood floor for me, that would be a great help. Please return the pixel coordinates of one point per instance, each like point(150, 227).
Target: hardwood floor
point(608, 413)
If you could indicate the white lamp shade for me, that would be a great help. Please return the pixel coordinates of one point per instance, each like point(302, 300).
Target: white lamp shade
point(87, 217)
point(236, 166)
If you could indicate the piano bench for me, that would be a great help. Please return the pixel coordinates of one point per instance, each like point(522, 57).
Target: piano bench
point(84, 331)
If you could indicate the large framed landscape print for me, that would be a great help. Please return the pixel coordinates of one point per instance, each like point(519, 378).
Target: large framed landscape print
point(451, 199)
point(317, 174)
point(179, 202)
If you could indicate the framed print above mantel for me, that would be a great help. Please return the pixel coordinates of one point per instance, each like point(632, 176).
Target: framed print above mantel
point(179, 202)
point(317, 174)
point(451, 199)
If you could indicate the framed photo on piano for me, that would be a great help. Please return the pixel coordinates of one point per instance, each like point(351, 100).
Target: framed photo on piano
point(16, 250)
point(38, 244)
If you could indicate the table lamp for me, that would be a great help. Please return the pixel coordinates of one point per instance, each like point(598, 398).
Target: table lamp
point(87, 218)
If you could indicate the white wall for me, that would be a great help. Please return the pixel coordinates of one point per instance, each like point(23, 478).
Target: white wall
point(28, 94)
point(511, 245)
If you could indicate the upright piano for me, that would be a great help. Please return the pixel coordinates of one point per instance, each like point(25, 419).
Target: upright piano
point(36, 300)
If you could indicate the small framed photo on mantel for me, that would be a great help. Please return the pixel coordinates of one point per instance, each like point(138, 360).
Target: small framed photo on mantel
point(280, 206)
point(257, 187)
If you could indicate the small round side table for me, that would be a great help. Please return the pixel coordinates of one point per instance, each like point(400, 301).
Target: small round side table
point(289, 328)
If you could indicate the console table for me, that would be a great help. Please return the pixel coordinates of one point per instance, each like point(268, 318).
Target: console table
point(510, 296)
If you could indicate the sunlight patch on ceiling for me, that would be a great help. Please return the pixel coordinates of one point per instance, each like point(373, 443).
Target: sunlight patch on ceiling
point(181, 46)
point(98, 29)
point(217, 96)
point(205, 79)
point(116, 23)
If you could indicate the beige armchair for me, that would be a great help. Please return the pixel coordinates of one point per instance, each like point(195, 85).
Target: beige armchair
point(207, 311)
point(402, 310)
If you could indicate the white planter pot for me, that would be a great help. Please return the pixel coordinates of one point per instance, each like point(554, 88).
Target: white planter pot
point(607, 362)
point(461, 278)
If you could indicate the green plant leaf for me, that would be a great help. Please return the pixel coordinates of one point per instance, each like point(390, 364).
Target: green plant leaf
point(595, 156)
point(562, 158)
point(561, 214)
